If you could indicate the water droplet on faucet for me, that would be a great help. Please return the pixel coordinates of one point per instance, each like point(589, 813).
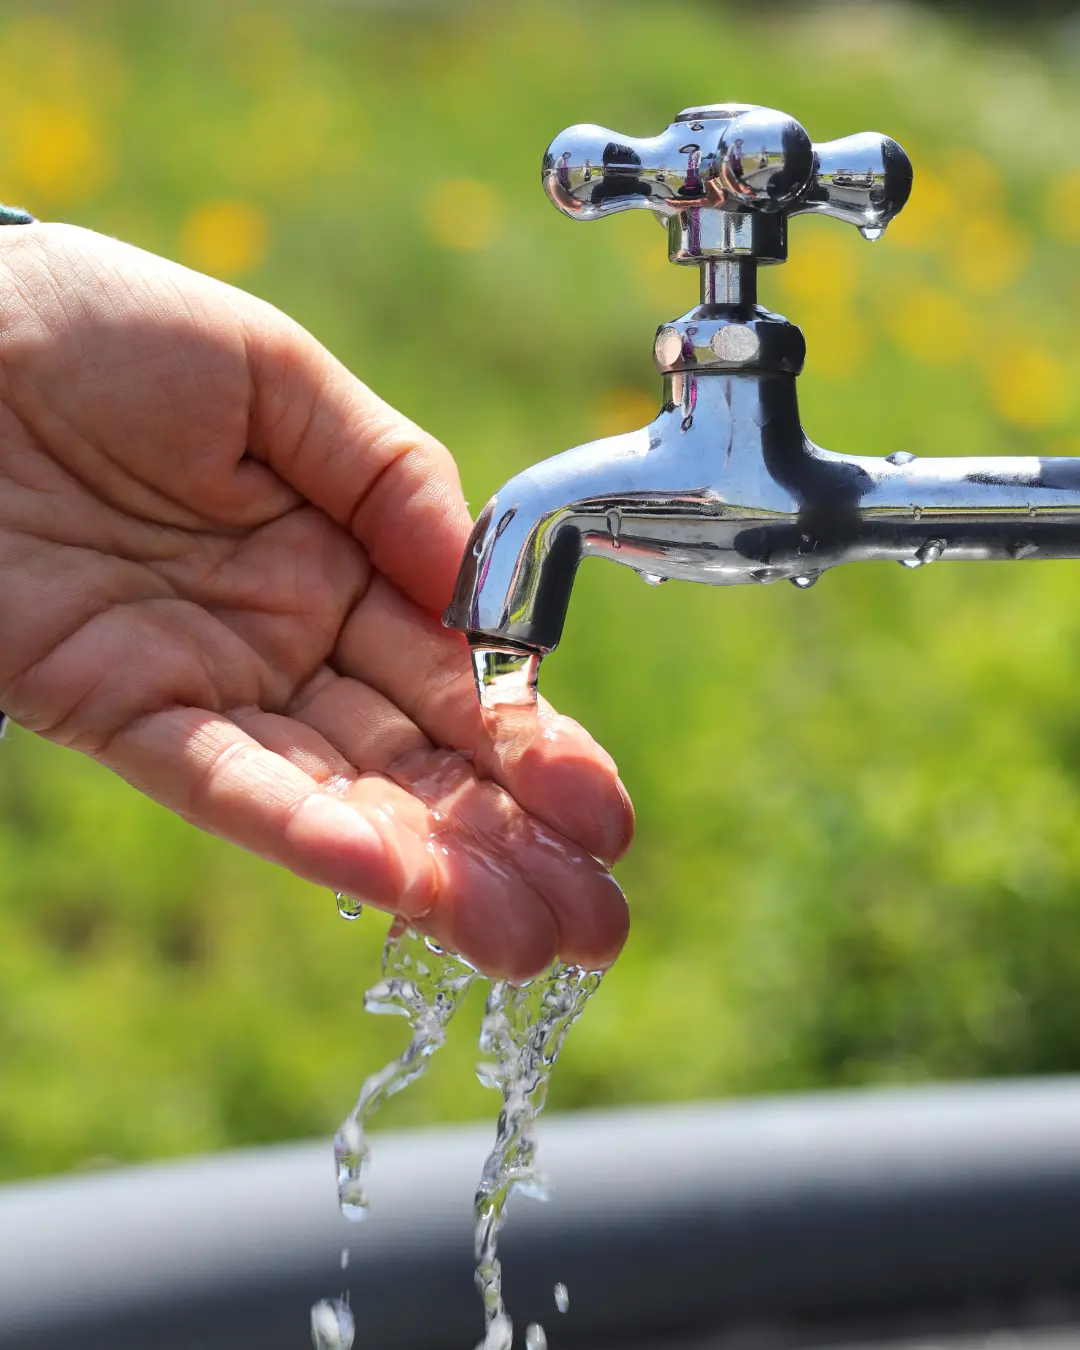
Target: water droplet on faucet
point(899, 457)
point(652, 579)
point(871, 233)
point(930, 552)
point(806, 581)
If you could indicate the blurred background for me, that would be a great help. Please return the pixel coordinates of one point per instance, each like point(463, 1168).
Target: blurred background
point(858, 857)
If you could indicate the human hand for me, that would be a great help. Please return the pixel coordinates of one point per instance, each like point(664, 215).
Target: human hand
point(223, 562)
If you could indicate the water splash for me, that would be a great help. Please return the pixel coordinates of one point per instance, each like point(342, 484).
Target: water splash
point(347, 906)
point(505, 677)
point(523, 1031)
point(425, 985)
point(332, 1325)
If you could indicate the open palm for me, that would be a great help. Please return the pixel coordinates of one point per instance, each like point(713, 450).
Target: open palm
point(223, 560)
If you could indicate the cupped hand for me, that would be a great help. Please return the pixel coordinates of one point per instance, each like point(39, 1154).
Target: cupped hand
point(222, 564)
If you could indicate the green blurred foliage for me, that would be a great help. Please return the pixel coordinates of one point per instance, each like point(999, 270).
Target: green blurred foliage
point(859, 808)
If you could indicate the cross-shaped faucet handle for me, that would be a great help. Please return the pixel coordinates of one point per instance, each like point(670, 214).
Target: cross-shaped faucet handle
point(725, 178)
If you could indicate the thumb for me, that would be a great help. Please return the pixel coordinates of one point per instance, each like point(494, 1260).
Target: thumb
point(394, 487)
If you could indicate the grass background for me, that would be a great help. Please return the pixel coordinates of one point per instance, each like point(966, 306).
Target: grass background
point(859, 847)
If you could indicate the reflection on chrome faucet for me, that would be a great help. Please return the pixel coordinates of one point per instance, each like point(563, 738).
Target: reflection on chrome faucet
point(724, 486)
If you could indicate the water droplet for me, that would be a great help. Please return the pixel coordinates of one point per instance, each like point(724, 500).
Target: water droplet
point(872, 233)
point(930, 552)
point(345, 1258)
point(652, 579)
point(535, 1337)
point(500, 1334)
point(1023, 548)
point(806, 581)
point(900, 457)
point(505, 676)
point(614, 524)
point(347, 907)
point(562, 1298)
point(332, 1326)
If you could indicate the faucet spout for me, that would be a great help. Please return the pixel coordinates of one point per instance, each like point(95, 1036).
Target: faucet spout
point(518, 571)
point(724, 487)
point(656, 500)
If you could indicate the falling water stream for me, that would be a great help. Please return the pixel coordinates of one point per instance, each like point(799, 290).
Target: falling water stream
point(523, 1031)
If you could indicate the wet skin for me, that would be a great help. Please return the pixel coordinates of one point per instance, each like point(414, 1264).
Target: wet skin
point(223, 563)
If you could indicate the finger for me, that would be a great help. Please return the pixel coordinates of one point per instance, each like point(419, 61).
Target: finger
point(201, 765)
point(550, 764)
point(480, 907)
point(347, 451)
point(362, 725)
point(586, 903)
point(485, 909)
point(469, 814)
point(287, 795)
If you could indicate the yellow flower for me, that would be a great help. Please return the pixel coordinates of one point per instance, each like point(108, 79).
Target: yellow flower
point(56, 153)
point(929, 324)
point(925, 221)
point(225, 239)
point(464, 214)
point(823, 267)
point(620, 410)
point(1063, 207)
point(837, 344)
point(973, 180)
point(1029, 385)
point(988, 253)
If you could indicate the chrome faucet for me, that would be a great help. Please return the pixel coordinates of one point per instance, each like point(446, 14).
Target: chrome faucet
point(724, 486)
